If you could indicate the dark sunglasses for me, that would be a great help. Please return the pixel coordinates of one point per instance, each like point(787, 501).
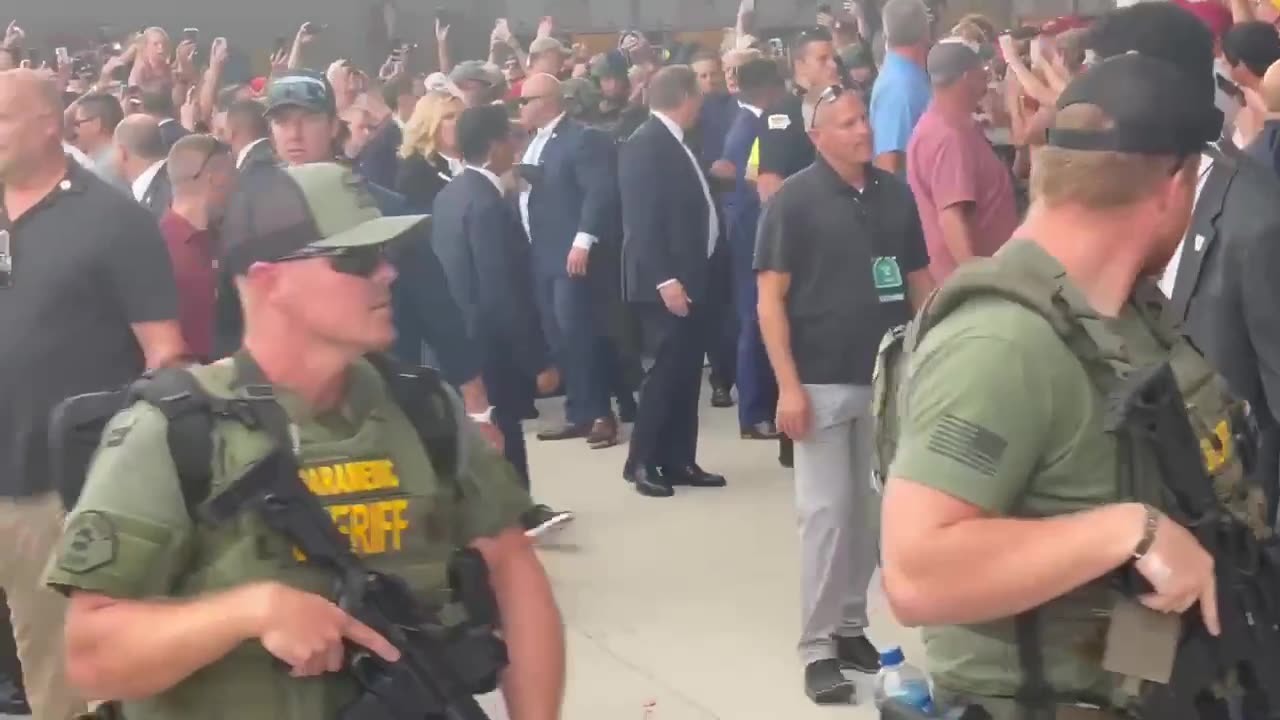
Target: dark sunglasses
point(303, 91)
point(361, 262)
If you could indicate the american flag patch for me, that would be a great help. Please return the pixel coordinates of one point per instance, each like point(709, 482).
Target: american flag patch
point(968, 443)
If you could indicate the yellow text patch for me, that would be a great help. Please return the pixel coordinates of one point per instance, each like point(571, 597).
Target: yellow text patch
point(350, 478)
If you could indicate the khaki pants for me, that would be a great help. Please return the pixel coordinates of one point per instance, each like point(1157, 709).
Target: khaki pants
point(29, 530)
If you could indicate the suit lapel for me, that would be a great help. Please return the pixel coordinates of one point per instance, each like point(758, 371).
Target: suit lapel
point(1202, 233)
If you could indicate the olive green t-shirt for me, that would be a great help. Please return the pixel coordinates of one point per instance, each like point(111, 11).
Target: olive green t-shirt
point(1000, 414)
point(130, 535)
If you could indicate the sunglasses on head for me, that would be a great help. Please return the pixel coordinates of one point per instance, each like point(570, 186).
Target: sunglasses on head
point(361, 262)
point(828, 95)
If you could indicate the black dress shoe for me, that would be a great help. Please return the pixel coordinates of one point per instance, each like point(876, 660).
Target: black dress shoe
point(567, 432)
point(721, 398)
point(761, 431)
point(649, 483)
point(857, 653)
point(692, 476)
point(604, 434)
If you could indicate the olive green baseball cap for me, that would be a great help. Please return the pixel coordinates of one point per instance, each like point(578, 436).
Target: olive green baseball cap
point(282, 212)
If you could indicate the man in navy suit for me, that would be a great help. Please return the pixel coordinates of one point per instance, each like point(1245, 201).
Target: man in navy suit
point(569, 206)
point(477, 235)
point(671, 250)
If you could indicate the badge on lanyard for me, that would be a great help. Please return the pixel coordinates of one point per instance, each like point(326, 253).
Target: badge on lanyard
point(888, 279)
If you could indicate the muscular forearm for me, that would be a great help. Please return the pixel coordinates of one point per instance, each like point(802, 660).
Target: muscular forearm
point(775, 329)
point(534, 681)
point(128, 650)
point(984, 569)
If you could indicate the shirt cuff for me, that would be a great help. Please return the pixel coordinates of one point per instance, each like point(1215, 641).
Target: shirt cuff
point(585, 240)
point(666, 283)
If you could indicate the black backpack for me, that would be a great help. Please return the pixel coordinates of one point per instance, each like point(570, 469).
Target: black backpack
point(77, 424)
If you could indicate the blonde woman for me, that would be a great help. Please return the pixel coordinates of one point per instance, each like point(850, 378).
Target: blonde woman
point(429, 156)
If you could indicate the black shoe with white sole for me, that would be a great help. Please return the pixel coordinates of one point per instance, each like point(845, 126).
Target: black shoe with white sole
point(541, 519)
point(826, 685)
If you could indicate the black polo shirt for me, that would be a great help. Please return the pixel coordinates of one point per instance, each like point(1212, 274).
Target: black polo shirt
point(87, 262)
point(848, 254)
point(785, 147)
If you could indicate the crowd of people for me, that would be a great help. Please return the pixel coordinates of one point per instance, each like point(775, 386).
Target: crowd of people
point(603, 227)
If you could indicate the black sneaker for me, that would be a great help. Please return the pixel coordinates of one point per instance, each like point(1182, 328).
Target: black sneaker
point(826, 685)
point(541, 519)
point(857, 653)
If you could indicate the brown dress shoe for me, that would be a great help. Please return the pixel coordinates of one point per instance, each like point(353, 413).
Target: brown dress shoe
point(604, 434)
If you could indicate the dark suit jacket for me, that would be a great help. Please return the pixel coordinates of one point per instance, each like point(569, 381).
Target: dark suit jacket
point(573, 189)
point(171, 131)
point(260, 154)
point(159, 195)
point(1227, 294)
point(378, 161)
point(482, 246)
point(664, 216)
point(717, 116)
point(420, 179)
point(1266, 147)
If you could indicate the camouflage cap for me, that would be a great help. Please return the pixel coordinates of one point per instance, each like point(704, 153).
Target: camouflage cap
point(278, 212)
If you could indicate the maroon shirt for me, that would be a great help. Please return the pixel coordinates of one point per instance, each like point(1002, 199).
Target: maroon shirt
point(192, 254)
point(950, 163)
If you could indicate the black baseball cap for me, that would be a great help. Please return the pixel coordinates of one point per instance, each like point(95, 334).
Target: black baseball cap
point(306, 89)
point(314, 209)
point(1153, 105)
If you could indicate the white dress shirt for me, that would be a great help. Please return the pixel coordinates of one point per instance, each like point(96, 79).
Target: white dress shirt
point(143, 183)
point(754, 110)
point(1170, 277)
point(497, 181)
point(713, 222)
point(244, 151)
point(456, 166)
point(533, 156)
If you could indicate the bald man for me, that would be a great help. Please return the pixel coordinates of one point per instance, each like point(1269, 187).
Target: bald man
point(569, 207)
point(202, 171)
point(1265, 148)
point(75, 249)
point(140, 157)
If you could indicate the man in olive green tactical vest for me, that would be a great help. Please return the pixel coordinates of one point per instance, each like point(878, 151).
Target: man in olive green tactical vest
point(1010, 504)
point(182, 619)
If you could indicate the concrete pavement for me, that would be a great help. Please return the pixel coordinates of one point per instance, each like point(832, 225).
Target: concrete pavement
point(684, 608)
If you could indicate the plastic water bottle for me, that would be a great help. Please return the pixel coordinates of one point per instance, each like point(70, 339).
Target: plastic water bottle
point(900, 681)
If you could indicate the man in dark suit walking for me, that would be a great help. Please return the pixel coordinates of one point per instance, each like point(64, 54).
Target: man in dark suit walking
point(485, 255)
point(569, 207)
point(140, 157)
point(1222, 282)
point(670, 254)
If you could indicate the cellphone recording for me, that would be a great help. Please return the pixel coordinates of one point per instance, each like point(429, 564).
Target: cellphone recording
point(313, 28)
point(191, 34)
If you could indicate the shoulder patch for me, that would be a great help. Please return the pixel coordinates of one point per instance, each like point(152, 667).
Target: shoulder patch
point(89, 543)
point(779, 122)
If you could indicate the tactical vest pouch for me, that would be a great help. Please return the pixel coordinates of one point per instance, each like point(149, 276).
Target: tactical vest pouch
point(77, 424)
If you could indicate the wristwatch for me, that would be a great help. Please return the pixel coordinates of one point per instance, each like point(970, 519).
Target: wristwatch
point(1150, 523)
point(484, 418)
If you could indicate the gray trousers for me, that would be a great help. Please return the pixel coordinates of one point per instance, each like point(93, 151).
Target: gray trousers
point(837, 544)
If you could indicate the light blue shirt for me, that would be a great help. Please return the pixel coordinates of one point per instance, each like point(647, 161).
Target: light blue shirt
point(898, 99)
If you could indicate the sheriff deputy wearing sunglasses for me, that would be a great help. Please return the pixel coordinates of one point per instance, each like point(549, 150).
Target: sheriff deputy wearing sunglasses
point(179, 615)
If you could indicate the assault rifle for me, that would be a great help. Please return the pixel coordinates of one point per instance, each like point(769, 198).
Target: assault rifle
point(442, 665)
point(1245, 659)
